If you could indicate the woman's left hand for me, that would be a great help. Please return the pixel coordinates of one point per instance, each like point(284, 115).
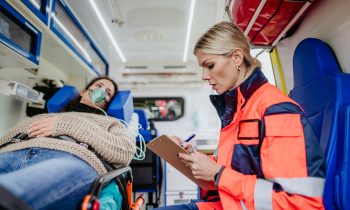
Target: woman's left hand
point(42, 127)
point(201, 165)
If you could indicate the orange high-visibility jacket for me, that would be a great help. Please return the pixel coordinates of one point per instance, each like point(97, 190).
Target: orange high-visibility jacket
point(270, 156)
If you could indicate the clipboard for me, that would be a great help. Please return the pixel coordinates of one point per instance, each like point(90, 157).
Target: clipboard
point(167, 149)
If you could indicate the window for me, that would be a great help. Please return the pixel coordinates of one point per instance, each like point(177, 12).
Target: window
point(161, 108)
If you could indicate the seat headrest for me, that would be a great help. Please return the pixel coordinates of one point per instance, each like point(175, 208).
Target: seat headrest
point(61, 98)
point(311, 58)
point(121, 106)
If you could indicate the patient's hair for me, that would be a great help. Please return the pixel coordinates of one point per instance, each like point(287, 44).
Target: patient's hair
point(73, 103)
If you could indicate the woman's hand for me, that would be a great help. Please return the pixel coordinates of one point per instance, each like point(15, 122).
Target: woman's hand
point(201, 165)
point(42, 127)
point(187, 146)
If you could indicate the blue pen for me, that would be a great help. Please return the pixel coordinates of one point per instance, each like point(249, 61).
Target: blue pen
point(190, 138)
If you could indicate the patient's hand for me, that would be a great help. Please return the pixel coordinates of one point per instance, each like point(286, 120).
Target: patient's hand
point(42, 127)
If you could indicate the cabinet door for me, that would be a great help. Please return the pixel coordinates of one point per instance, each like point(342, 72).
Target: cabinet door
point(68, 28)
point(18, 34)
point(40, 8)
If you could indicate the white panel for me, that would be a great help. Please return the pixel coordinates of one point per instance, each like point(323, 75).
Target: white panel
point(328, 20)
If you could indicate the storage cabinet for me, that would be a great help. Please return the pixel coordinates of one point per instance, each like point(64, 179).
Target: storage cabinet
point(19, 36)
point(29, 30)
point(40, 8)
point(68, 28)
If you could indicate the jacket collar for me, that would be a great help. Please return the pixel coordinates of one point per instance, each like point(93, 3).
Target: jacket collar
point(247, 88)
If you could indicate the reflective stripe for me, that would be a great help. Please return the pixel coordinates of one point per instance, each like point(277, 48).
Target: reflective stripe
point(243, 206)
point(307, 186)
point(263, 194)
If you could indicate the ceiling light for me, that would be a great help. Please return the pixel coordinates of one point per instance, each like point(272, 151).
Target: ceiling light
point(109, 33)
point(188, 33)
point(35, 4)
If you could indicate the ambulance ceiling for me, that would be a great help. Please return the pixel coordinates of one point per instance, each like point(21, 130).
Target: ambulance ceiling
point(148, 31)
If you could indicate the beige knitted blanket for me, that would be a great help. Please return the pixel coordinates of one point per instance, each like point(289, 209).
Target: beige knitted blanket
point(106, 135)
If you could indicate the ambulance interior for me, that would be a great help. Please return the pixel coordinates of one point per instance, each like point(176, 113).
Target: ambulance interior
point(147, 48)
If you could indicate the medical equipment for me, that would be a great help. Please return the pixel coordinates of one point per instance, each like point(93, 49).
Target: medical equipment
point(20, 92)
point(133, 129)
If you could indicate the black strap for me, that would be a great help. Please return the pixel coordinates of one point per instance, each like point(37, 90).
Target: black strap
point(17, 138)
point(25, 137)
point(105, 163)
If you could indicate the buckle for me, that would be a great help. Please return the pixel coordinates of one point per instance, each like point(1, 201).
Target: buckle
point(84, 145)
point(19, 137)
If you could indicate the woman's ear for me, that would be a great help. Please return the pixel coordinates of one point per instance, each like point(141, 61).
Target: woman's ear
point(238, 55)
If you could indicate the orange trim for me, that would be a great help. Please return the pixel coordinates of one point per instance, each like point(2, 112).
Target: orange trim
point(129, 192)
point(86, 203)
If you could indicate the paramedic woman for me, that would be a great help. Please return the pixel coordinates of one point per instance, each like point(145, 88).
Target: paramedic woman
point(268, 157)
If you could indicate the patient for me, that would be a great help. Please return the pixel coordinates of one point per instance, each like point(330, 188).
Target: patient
point(55, 166)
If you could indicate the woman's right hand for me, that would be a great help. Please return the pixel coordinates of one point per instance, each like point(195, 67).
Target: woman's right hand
point(187, 146)
point(42, 127)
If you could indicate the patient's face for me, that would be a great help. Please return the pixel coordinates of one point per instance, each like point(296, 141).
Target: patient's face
point(102, 83)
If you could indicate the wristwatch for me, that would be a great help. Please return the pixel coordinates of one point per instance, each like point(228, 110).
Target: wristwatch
point(216, 176)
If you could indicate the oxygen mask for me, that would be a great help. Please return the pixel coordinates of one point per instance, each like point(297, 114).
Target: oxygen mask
point(97, 96)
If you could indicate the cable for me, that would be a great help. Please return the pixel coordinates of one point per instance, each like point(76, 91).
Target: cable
point(134, 133)
point(104, 112)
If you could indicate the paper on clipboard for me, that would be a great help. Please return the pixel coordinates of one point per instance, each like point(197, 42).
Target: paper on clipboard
point(165, 148)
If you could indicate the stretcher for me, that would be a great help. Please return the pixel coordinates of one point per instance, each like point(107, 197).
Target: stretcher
point(123, 178)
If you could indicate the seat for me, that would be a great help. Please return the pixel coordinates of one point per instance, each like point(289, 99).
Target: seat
point(122, 108)
point(321, 89)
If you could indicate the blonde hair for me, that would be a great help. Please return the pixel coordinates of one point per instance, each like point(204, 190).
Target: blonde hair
point(222, 39)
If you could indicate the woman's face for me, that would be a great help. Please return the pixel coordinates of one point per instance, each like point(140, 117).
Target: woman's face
point(219, 70)
point(102, 83)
